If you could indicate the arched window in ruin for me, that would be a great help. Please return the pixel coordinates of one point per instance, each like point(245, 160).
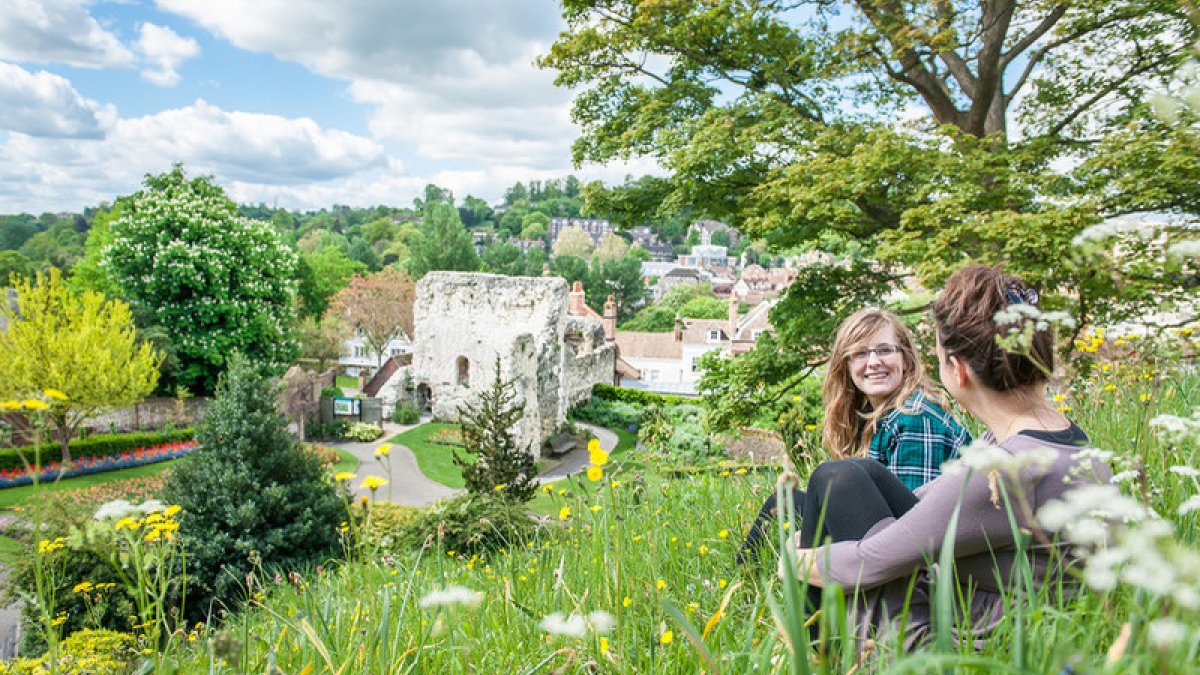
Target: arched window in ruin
point(464, 371)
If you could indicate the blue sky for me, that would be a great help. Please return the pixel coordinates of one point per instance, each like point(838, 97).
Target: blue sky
point(299, 103)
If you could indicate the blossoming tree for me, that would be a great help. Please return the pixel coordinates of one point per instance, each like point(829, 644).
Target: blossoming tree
point(221, 283)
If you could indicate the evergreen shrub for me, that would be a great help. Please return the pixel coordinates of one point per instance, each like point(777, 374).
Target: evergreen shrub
point(638, 396)
point(249, 493)
point(406, 413)
point(608, 413)
point(470, 524)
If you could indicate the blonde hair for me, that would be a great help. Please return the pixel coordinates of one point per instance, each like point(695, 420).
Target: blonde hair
point(849, 425)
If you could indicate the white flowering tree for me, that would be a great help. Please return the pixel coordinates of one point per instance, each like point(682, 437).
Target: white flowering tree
point(218, 282)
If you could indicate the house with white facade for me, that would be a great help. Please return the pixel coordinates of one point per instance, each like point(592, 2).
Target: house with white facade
point(670, 362)
point(358, 358)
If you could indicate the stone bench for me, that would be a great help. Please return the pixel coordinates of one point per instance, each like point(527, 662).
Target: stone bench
point(562, 444)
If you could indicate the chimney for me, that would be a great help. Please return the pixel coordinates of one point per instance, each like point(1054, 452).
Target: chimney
point(733, 317)
point(576, 300)
point(678, 329)
point(610, 319)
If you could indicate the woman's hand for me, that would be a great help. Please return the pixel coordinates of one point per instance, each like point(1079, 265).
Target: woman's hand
point(807, 566)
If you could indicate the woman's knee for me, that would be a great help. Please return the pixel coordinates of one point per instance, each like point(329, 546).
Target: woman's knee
point(834, 477)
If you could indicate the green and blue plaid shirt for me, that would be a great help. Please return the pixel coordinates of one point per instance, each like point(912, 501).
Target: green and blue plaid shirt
point(915, 439)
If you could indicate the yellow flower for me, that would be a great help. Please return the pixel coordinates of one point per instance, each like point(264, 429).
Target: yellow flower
point(660, 584)
point(740, 472)
point(666, 637)
point(343, 476)
point(703, 549)
point(724, 534)
point(597, 454)
point(128, 522)
point(54, 394)
point(692, 606)
point(34, 404)
point(615, 484)
point(810, 427)
point(603, 645)
point(499, 487)
point(564, 513)
point(1058, 398)
point(1144, 397)
point(11, 405)
point(595, 473)
point(721, 583)
point(83, 587)
point(373, 483)
point(1064, 408)
point(626, 602)
point(548, 488)
point(383, 450)
point(1110, 387)
point(595, 508)
point(172, 510)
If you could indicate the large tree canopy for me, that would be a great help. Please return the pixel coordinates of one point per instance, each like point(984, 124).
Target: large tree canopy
point(786, 120)
point(221, 283)
point(929, 133)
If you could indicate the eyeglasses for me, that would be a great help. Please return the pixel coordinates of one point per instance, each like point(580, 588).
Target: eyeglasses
point(882, 351)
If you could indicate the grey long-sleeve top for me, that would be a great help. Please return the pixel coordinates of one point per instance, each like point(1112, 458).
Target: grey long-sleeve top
point(984, 546)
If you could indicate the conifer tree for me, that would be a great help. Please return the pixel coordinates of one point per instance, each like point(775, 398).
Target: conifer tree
point(502, 468)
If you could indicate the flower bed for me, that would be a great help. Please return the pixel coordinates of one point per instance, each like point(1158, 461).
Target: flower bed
point(81, 466)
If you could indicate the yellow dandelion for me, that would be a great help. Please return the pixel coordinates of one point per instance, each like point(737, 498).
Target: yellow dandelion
point(660, 584)
point(615, 484)
point(703, 549)
point(595, 473)
point(499, 487)
point(172, 510)
point(595, 508)
point(1064, 408)
point(34, 404)
point(1144, 397)
point(741, 472)
point(127, 522)
point(692, 606)
point(721, 583)
point(666, 638)
point(383, 450)
point(548, 488)
point(373, 483)
point(83, 587)
point(724, 534)
point(564, 513)
point(343, 476)
point(603, 645)
point(54, 394)
point(1058, 398)
point(810, 427)
point(626, 601)
point(11, 405)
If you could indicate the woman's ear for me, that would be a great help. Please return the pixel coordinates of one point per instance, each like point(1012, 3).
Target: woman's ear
point(960, 371)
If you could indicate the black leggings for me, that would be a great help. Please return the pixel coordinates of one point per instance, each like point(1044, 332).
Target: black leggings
point(846, 498)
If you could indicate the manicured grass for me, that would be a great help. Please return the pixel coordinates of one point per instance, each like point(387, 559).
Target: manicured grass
point(626, 441)
point(435, 461)
point(346, 462)
point(346, 382)
point(17, 496)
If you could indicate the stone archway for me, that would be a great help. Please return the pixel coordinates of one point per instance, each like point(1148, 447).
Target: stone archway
point(424, 398)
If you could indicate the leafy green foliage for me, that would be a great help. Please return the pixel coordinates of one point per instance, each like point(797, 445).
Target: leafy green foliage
point(83, 347)
point(96, 445)
point(405, 413)
point(605, 413)
point(694, 301)
point(499, 466)
point(444, 243)
point(363, 432)
point(249, 488)
point(469, 524)
point(636, 396)
point(222, 283)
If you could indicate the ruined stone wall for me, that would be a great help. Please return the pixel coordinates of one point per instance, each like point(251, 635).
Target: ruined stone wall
point(587, 359)
point(152, 413)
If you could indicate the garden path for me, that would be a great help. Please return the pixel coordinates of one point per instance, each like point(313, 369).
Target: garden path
point(410, 487)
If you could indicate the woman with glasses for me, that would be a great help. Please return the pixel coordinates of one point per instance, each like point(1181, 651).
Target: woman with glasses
point(880, 407)
point(879, 541)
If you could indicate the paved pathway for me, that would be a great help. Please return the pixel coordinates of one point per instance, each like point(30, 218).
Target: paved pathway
point(410, 487)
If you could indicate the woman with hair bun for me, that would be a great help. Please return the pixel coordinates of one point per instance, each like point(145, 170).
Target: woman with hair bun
point(879, 405)
point(879, 539)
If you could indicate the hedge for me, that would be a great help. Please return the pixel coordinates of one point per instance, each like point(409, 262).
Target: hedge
point(96, 445)
point(638, 396)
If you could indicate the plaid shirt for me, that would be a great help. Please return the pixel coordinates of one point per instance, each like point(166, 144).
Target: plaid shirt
point(914, 440)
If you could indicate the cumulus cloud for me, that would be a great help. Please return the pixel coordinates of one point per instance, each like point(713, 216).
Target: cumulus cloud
point(45, 104)
point(57, 31)
point(245, 148)
point(452, 79)
point(163, 50)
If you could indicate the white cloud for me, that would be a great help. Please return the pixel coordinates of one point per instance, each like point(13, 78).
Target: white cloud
point(242, 148)
point(453, 79)
point(45, 104)
point(57, 31)
point(164, 50)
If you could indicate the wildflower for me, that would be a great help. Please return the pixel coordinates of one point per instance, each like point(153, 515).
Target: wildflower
point(596, 454)
point(1185, 471)
point(810, 427)
point(1165, 633)
point(660, 584)
point(499, 488)
point(452, 595)
point(151, 506)
point(1124, 476)
point(11, 405)
point(383, 450)
point(83, 587)
point(34, 404)
point(666, 638)
point(740, 472)
point(595, 473)
point(984, 457)
point(1192, 504)
point(615, 484)
point(595, 508)
point(724, 534)
point(564, 513)
point(603, 645)
point(128, 522)
point(626, 601)
point(548, 488)
point(703, 549)
point(343, 476)
point(117, 508)
point(54, 394)
point(721, 583)
point(575, 625)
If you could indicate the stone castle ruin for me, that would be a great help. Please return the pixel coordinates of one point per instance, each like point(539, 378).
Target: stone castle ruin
point(464, 321)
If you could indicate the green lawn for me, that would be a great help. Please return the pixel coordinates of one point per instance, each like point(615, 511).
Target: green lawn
point(346, 462)
point(435, 461)
point(347, 382)
point(16, 496)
